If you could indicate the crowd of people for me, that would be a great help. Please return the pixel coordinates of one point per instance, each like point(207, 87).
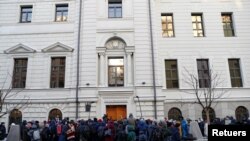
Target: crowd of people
point(129, 129)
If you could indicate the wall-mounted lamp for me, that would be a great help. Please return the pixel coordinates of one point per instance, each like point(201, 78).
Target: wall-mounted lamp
point(143, 83)
point(87, 84)
point(88, 107)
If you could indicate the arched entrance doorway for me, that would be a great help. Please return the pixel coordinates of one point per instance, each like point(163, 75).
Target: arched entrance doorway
point(212, 115)
point(174, 113)
point(241, 113)
point(15, 117)
point(55, 114)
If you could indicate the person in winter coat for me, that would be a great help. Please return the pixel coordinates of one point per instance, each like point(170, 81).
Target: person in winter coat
point(26, 129)
point(45, 134)
point(71, 132)
point(2, 131)
point(175, 132)
point(109, 131)
point(131, 133)
point(34, 133)
point(184, 127)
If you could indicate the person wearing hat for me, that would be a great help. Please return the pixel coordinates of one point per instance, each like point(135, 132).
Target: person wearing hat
point(2, 131)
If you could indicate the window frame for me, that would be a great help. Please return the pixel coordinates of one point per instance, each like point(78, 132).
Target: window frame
point(230, 14)
point(171, 70)
point(26, 13)
point(235, 69)
point(109, 66)
point(115, 5)
point(167, 23)
point(197, 23)
point(203, 78)
point(61, 12)
point(21, 68)
point(57, 85)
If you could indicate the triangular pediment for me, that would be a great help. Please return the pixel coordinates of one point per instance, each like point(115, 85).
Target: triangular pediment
point(20, 48)
point(58, 47)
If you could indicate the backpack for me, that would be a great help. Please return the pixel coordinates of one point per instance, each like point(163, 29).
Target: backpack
point(36, 135)
point(100, 131)
point(59, 129)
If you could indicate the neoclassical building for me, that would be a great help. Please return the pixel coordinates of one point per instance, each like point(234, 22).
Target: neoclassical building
point(87, 58)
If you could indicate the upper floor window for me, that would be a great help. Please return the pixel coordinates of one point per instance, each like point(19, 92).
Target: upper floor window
point(227, 22)
point(61, 12)
point(171, 74)
point(203, 73)
point(197, 22)
point(115, 8)
point(26, 14)
point(167, 25)
point(19, 73)
point(116, 72)
point(57, 77)
point(235, 74)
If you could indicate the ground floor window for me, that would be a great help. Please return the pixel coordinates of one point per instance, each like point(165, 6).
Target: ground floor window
point(55, 114)
point(212, 115)
point(174, 113)
point(15, 117)
point(241, 113)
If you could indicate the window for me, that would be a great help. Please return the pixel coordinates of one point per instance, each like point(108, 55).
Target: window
point(61, 12)
point(26, 14)
point(115, 8)
point(234, 68)
point(198, 30)
point(203, 73)
point(116, 72)
point(167, 25)
point(55, 114)
point(171, 73)
point(174, 113)
point(212, 115)
point(57, 72)
point(227, 24)
point(241, 113)
point(19, 73)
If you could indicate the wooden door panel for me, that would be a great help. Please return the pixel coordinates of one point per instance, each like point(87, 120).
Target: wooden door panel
point(116, 112)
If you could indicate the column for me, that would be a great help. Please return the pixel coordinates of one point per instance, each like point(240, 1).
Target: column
point(129, 65)
point(102, 69)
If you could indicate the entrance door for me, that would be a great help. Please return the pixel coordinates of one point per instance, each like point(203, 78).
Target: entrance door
point(116, 112)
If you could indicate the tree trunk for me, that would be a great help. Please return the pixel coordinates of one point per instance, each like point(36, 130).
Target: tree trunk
point(207, 115)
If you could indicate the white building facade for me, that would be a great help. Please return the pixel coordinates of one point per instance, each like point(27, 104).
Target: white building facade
point(100, 53)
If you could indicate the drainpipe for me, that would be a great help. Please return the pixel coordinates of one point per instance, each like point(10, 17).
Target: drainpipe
point(78, 56)
point(153, 57)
